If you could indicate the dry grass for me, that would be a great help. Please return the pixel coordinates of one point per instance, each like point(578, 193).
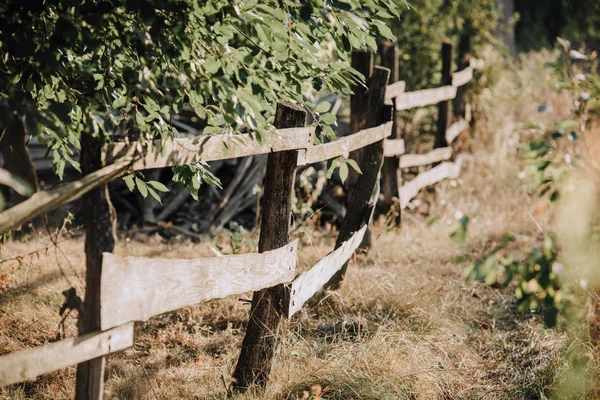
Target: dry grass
point(405, 325)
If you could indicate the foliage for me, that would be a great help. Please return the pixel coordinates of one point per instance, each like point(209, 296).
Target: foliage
point(422, 27)
point(539, 23)
point(128, 67)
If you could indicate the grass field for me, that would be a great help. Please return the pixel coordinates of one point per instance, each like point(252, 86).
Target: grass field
point(405, 325)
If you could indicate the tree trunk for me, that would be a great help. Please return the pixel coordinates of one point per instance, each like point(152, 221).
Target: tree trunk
point(464, 52)
point(99, 222)
point(262, 332)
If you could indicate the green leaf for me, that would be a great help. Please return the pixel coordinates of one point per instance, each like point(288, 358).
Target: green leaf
point(129, 182)
point(343, 172)
point(154, 194)
point(158, 186)
point(327, 118)
point(142, 188)
point(119, 102)
point(354, 165)
point(323, 107)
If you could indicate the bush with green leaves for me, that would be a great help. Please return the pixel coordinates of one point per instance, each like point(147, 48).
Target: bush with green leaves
point(127, 68)
point(422, 27)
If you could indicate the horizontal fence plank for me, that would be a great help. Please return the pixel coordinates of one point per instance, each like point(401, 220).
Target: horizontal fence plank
point(47, 200)
point(462, 77)
point(137, 288)
point(344, 145)
point(393, 147)
point(456, 129)
point(476, 63)
point(183, 151)
point(309, 282)
point(394, 90)
point(443, 171)
point(28, 364)
point(435, 155)
point(426, 97)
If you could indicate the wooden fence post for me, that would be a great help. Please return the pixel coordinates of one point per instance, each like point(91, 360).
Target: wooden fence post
point(389, 179)
point(362, 197)
point(268, 305)
point(442, 123)
point(99, 223)
point(464, 50)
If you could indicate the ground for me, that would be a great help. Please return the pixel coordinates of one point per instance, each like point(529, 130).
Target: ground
point(405, 325)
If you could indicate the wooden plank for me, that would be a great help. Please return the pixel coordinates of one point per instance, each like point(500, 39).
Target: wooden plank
point(310, 282)
point(182, 151)
point(443, 171)
point(47, 200)
point(426, 97)
point(463, 77)
point(394, 90)
point(343, 146)
point(393, 147)
point(476, 63)
point(415, 160)
point(137, 288)
point(456, 129)
point(28, 364)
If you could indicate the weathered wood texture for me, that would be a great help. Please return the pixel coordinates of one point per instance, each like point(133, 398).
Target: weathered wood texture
point(393, 147)
point(463, 77)
point(310, 282)
point(137, 288)
point(443, 106)
point(99, 219)
point(477, 63)
point(268, 305)
point(47, 200)
point(443, 171)
point(182, 151)
point(425, 97)
point(389, 172)
point(415, 160)
point(362, 61)
point(28, 364)
point(344, 145)
point(362, 195)
point(456, 129)
point(394, 90)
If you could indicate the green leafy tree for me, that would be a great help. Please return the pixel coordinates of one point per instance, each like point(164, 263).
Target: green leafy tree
point(127, 67)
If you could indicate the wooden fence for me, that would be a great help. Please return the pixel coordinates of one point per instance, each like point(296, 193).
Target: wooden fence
point(137, 288)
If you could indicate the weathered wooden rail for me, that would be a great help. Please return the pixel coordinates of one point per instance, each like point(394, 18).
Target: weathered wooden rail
point(137, 288)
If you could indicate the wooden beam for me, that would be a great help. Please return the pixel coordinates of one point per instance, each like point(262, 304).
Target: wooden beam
point(456, 129)
point(343, 146)
point(310, 282)
point(426, 97)
point(394, 90)
point(259, 345)
point(364, 193)
point(28, 364)
point(443, 171)
point(444, 106)
point(476, 63)
point(182, 151)
point(393, 147)
point(415, 160)
point(137, 288)
point(463, 77)
point(47, 200)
